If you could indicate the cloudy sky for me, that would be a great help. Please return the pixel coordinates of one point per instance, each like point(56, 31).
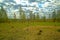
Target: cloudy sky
point(42, 5)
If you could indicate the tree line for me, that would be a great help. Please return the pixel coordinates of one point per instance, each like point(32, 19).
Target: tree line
point(32, 16)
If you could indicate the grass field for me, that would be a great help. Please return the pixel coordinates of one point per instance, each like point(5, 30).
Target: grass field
point(30, 31)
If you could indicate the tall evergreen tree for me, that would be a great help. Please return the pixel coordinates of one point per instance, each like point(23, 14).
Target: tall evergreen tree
point(31, 15)
point(14, 16)
point(37, 16)
point(58, 15)
point(3, 14)
point(44, 18)
point(54, 16)
point(22, 13)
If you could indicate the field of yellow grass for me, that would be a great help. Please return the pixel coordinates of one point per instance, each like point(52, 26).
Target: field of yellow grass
point(30, 31)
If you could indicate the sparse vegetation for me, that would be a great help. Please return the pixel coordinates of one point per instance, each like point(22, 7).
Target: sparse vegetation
point(34, 31)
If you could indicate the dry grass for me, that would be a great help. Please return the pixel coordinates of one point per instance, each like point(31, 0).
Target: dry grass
point(48, 33)
point(21, 31)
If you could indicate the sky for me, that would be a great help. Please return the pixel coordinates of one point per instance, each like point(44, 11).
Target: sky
point(42, 6)
point(14, 4)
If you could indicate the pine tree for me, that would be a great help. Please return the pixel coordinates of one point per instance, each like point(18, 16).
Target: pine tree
point(37, 16)
point(54, 16)
point(22, 13)
point(44, 18)
point(31, 15)
point(58, 15)
point(3, 14)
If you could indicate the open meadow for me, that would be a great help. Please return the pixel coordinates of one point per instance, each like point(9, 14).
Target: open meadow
point(30, 31)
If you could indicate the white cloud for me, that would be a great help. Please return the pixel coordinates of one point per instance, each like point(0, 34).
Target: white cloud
point(1, 1)
point(16, 10)
point(4, 7)
point(46, 4)
point(52, 1)
point(7, 3)
point(21, 1)
point(12, 3)
point(35, 3)
point(24, 2)
point(17, 1)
